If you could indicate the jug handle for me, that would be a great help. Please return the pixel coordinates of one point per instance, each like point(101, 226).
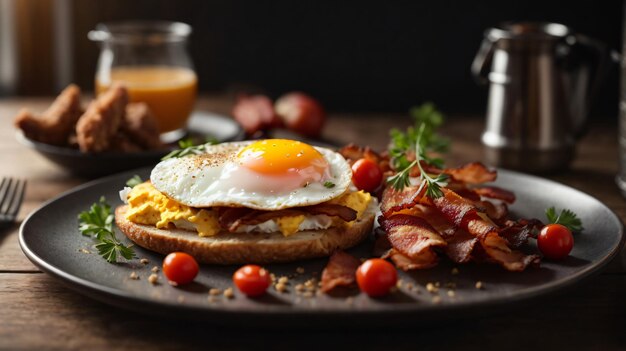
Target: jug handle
point(606, 58)
point(482, 61)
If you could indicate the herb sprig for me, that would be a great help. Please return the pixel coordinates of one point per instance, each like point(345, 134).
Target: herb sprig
point(187, 147)
point(402, 143)
point(433, 185)
point(97, 223)
point(566, 218)
point(423, 140)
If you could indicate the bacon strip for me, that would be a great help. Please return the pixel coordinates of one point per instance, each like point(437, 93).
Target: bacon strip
point(394, 201)
point(227, 216)
point(466, 193)
point(411, 235)
point(461, 245)
point(517, 233)
point(455, 208)
point(340, 271)
point(494, 192)
point(412, 240)
point(231, 218)
point(426, 259)
point(464, 215)
point(333, 210)
point(472, 173)
point(496, 212)
point(496, 248)
point(353, 152)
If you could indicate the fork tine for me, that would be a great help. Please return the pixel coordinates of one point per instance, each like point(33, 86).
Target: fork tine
point(5, 187)
point(18, 197)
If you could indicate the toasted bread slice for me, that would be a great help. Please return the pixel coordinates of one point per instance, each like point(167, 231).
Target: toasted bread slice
point(242, 248)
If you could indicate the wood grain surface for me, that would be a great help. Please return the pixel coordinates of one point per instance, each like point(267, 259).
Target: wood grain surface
point(37, 312)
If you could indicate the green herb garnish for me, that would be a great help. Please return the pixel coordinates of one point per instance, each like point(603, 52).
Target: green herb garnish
point(433, 185)
point(134, 181)
point(329, 184)
point(566, 218)
point(185, 143)
point(429, 118)
point(97, 223)
point(187, 147)
point(423, 140)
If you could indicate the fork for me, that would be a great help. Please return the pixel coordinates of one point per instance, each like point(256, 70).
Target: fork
point(11, 196)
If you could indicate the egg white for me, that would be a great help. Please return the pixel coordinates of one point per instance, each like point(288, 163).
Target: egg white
point(214, 178)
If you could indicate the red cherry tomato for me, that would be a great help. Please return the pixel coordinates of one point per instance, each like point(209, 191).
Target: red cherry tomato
point(555, 241)
point(376, 277)
point(252, 280)
point(366, 175)
point(180, 268)
point(301, 113)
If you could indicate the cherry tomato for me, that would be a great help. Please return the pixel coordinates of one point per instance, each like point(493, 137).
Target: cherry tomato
point(366, 175)
point(301, 113)
point(555, 241)
point(376, 277)
point(252, 280)
point(180, 268)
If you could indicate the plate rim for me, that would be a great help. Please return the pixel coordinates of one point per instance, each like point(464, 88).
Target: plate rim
point(119, 297)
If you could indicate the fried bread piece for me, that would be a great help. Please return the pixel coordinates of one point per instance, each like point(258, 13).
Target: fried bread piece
point(55, 125)
point(101, 121)
point(241, 248)
point(140, 125)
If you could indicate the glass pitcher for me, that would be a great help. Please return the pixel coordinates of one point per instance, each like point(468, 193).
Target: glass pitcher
point(151, 59)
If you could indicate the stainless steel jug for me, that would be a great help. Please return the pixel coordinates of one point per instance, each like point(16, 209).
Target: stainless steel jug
point(542, 78)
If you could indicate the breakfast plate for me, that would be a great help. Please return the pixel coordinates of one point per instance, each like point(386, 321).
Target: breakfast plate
point(201, 125)
point(51, 240)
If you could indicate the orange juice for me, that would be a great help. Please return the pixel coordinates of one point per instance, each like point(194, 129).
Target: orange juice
point(169, 91)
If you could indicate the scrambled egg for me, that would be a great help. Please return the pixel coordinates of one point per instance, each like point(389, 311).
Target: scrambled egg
point(147, 205)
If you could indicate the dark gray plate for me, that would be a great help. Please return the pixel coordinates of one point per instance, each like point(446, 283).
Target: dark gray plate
point(50, 239)
point(200, 126)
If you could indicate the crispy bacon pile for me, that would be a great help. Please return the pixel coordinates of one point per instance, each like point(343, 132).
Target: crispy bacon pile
point(462, 224)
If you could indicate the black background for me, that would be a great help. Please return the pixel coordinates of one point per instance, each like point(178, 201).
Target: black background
point(352, 55)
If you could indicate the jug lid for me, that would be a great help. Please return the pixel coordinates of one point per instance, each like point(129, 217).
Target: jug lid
point(528, 31)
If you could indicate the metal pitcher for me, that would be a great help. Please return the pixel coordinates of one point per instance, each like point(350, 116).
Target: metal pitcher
point(542, 79)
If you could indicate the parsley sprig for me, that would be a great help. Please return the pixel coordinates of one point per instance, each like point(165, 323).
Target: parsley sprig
point(402, 143)
point(423, 140)
point(187, 147)
point(433, 185)
point(97, 223)
point(566, 218)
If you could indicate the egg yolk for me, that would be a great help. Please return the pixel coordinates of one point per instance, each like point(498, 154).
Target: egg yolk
point(283, 157)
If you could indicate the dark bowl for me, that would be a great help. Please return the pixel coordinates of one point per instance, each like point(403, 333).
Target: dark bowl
point(202, 125)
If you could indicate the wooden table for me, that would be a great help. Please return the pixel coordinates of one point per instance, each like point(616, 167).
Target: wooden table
point(37, 312)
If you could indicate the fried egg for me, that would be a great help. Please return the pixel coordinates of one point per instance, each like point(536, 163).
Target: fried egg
point(270, 174)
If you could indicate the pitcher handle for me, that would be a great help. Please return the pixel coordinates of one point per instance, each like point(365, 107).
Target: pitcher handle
point(604, 59)
point(482, 61)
